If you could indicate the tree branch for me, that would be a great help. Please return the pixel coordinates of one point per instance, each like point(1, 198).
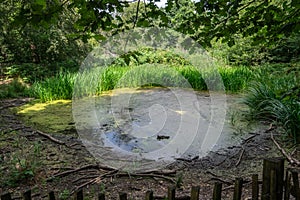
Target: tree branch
point(290, 159)
point(239, 10)
point(136, 13)
point(50, 138)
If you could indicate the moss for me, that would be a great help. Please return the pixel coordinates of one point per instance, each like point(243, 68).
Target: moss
point(55, 116)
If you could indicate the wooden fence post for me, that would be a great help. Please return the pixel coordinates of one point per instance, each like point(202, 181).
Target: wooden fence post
point(195, 192)
point(273, 181)
point(255, 187)
point(6, 196)
point(217, 191)
point(27, 195)
point(296, 184)
point(238, 186)
point(123, 196)
point(79, 195)
point(171, 193)
point(51, 195)
point(149, 195)
point(287, 185)
point(276, 164)
point(101, 196)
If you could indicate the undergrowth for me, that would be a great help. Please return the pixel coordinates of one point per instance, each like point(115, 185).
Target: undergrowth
point(275, 98)
point(13, 88)
point(21, 165)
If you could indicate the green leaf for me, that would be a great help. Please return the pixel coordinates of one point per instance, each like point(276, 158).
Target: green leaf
point(295, 3)
point(41, 2)
point(99, 37)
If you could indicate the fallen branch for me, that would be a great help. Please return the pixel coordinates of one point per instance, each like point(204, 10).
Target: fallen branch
point(84, 177)
point(184, 159)
point(245, 141)
point(107, 168)
point(115, 173)
point(161, 172)
point(188, 159)
point(290, 159)
point(50, 138)
point(240, 157)
point(94, 180)
point(218, 178)
point(147, 175)
point(65, 173)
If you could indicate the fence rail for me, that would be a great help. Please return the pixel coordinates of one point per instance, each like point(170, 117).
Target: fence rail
point(275, 186)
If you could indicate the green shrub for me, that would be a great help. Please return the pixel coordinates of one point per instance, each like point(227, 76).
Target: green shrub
point(241, 53)
point(14, 88)
point(31, 72)
point(24, 163)
point(150, 56)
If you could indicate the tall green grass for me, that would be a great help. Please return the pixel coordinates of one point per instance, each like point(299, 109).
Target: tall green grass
point(236, 79)
point(95, 81)
point(265, 105)
point(274, 97)
point(57, 87)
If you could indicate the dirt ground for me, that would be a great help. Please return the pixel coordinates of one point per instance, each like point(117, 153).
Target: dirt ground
point(30, 159)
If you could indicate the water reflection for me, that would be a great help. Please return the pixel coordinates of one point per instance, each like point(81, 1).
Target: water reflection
point(140, 125)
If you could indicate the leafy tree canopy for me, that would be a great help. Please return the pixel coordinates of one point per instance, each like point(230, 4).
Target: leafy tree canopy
point(266, 20)
point(47, 31)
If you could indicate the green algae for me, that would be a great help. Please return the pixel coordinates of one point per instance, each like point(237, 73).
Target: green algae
point(54, 117)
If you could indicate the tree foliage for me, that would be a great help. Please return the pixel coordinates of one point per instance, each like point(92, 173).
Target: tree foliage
point(27, 38)
point(47, 30)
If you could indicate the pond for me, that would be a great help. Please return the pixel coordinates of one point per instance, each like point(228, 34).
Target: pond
point(142, 128)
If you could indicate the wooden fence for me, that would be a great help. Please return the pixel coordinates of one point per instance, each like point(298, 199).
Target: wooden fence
point(276, 185)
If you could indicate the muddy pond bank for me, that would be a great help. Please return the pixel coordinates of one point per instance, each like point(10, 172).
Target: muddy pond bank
point(240, 158)
point(153, 125)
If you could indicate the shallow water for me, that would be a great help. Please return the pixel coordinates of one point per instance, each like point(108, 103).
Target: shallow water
point(146, 128)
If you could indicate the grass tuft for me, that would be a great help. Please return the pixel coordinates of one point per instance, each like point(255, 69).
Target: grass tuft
point(267, 104)
point(58, 87)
